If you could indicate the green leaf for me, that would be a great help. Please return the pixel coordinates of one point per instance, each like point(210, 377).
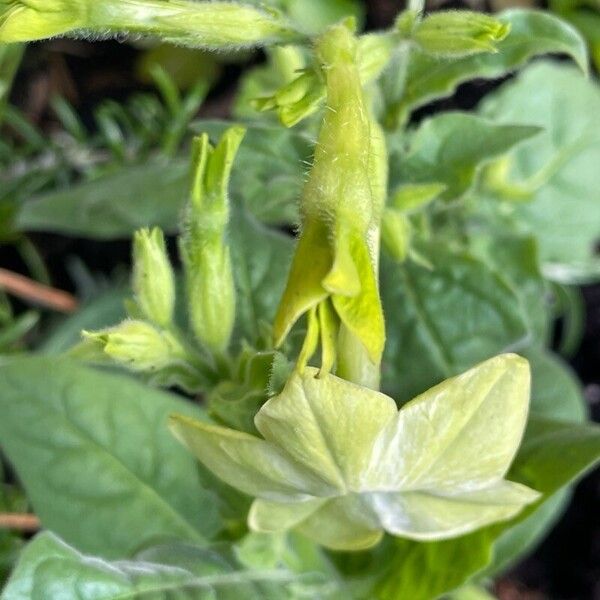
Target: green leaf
point(516, 259)
point(49, 568)
point(103, 310)
point(554, 453)
point(96, 460)
point(521, 539)
point(556, 392)
point(10, 59)
point(559, 167)
point(445, 319)
point(341, 464)
point(261, 259)
point(450, 149)
point(115, 204)
point(267, 178)
point(532, 33)
point(448, 564)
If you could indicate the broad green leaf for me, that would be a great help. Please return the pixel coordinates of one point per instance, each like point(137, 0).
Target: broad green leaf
point(556, 392)
point(339, 462)
point(49, 568)
point(10, 58)
point(94, 455)
point(267, 178)
point(445, 319)
point(554, 453)
point(12, 500)
point(448, 564)
point(516, 259)
point(261, 258)
point(450, 149)
point(115, 204)
point(521, 539)
point(532, 33)
point(559, 166)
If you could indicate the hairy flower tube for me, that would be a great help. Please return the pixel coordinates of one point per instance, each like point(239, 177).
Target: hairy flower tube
point(342, 465)
point(216, 25)
point(341, 205)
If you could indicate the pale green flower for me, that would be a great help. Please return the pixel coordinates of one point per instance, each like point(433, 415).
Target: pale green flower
point(342, 465)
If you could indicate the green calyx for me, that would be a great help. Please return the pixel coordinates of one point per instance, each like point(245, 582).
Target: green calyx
point(341, 207)
point(339, 463)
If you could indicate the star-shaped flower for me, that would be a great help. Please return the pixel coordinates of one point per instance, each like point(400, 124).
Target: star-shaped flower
point(342, 465)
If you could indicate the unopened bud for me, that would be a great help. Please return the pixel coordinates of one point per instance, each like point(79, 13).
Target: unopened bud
point(459, 33)
point(139, 346)
point(205, 252)
point(153, 281)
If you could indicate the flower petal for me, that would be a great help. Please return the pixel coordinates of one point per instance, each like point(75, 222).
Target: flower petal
point(432, 516)
point(270, 517)
point(340, 524)
point(246, 462)
point(327, 424)
point(462, 432)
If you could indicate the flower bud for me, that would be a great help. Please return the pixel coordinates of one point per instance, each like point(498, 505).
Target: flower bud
point(139, 346)
point(217, 25)
point(153, 281)
point(204, 249)
point(459, 33)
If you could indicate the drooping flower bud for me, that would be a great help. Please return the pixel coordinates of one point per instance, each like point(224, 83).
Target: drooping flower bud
point(153, 282)
point(204, 248)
